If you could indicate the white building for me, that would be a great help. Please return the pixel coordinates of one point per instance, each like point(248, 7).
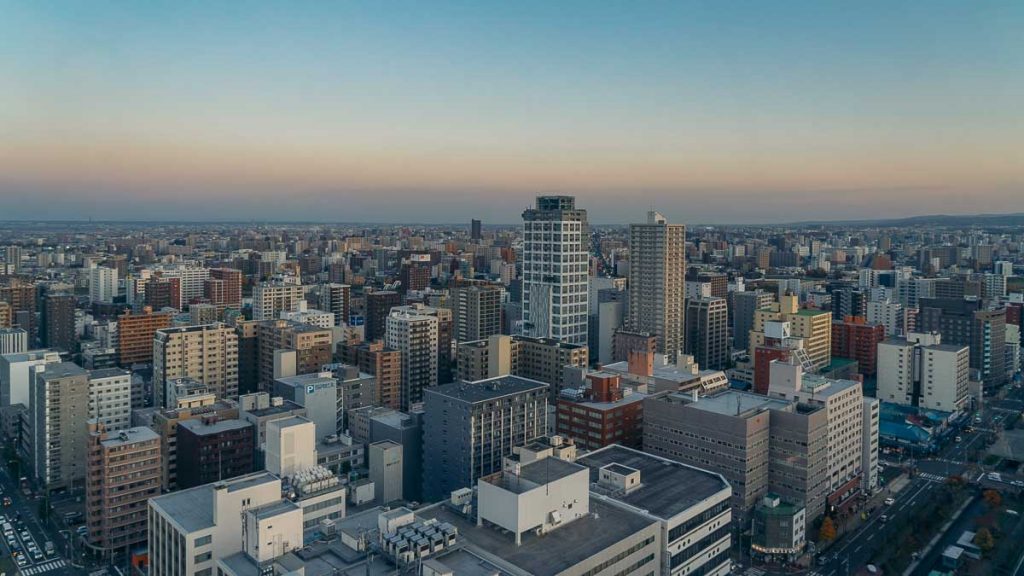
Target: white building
point(556, 257)
point(889, 314)
point(110, 398)
point(102, 284)
point(269, 299)
point(207, 353)
point(416, 337)
point(16, 374)
point(13, 340)
point(191, 278)
point(385, 462)
point(921, 371)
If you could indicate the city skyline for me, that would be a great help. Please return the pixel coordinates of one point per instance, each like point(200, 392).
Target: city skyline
point(405, 113)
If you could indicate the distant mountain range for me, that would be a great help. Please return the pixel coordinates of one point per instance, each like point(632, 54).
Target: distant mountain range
point(1015, 219)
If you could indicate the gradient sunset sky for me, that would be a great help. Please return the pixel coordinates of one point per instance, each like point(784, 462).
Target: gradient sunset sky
point(432, 111)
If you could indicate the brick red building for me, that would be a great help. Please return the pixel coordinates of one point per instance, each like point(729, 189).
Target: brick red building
point(855, 339)
point(601, 413)
point(763, 357)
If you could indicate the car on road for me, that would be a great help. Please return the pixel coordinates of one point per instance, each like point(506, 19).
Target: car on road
point(1018, 483)
point(49, 548)
point(883, 518)
point(958, 439)
point(890, 501)
point(995, 477)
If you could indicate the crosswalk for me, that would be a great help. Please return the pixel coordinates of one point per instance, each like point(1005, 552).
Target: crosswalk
point(932, 477)
point(43, 568)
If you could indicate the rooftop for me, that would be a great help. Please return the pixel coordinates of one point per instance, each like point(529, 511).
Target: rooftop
point(192, 508)
point(286, 406)
point(486, 390)
point(130, 436)
point(572, 543)
point(199, 428)
point(535, 474)
point(108, 373)
point(63, 370)
point(732, 403)
point(667, 488)
point(308, 379)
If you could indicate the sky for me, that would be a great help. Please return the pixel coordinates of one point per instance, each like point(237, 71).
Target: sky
point(718, 111)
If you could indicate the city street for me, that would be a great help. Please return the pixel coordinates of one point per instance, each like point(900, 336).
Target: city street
point(50, 564)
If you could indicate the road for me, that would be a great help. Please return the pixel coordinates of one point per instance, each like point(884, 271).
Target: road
point(51, 564)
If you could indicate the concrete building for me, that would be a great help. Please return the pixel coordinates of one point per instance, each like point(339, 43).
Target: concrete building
point(207, 353)
point(407, 431)
point(813, 327)
point(889, 314)
point(260, 409)
point(854, 338)
point(476, 308)
point(58, 322)
point(13, 341)
point(657, 267)
point(385, 463)
point(445, 336)
point(541, 359)
point(355, 390)
point(778, 529)
point(123, 473)
point(556, 255)
point(102, 285)
point(707, 332)
point(336, 299)
point(210, 450)
point(921, 371)
point(607, 315)
point(110, 398)
point(378, 308)
point(468, 428)
point(224, 288)
point(385, 364)
point(136, 333)
point(965, 322)
point(269, 299)
point(165, 423)
point(415, 336)
point(318, 394)
point(58, 413)
point(312, 346)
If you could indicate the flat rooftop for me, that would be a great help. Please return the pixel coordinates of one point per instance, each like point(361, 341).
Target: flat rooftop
point(108, 373)
point(732, 402)
point(286, 406)
point(132, 435)
point(307, 379)
point(606, 525)
point(537, 473)
point(192, 508)
point(486, 390)
point(200, 428)
point(63, 370)
point(667, 488)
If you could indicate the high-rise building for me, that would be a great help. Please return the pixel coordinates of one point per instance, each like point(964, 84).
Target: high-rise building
point(475, 230)
point(20, 296)
point(556, 248)
point(378, 308)
point(102, 285)
point(707, 332)
point(12, 257)
point(854, 338)
point(415, 336)
point(445, 336)
point(657, 266)
point(921, 371)
point(476, 309)
point(164, 293)
point(312, 346)
point(135, 335)
point(208, 353)
point(965, 322)
point(226, 288)
point(601, 413)
point(123, 473)
point(59, 322)
point(110, 398)
point(13, 341)
point(58, 413)
point(541, 359)
point(269, 299)
point(469, 428)
point(889, 314)
point(813, 326)
point(17, 372)
point(385, 464)
point(385, 364)
point(744, 305)
point(336, 299)
point(5, 314)
point(165, 422)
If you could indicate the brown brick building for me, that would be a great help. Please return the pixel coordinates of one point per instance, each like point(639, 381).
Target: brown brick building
point(600, 413)
point(135, 335)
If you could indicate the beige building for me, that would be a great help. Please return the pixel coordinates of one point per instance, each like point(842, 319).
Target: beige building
point(541, 359)
point(312, 346)
point(271, 298)
point(206, 353)
point(123, 474)
point(921, 371)
point(58, 415)
point(814, 327)
point(110, 398)
point(415, 336)
point(657, 274)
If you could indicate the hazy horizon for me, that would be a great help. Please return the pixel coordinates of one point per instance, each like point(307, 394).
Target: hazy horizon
point(437, 113)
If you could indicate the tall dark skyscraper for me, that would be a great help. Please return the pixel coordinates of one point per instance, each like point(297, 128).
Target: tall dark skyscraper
point(59, 322)
point(476, 232)
point(378, 306)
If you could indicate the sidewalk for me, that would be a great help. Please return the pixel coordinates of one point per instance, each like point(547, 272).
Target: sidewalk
point(938, 536)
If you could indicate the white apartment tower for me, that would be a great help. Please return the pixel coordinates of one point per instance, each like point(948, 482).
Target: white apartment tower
point(102, 284)
point(556, 241)
point(110, 398)
point(657, 281)
point(921, 371)
point(270, 299)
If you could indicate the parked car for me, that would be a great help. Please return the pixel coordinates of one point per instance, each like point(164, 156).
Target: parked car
point(890, 501)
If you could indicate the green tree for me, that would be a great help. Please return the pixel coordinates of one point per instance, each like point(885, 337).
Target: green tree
point(984, 540)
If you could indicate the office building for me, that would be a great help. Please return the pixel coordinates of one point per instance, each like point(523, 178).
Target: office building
point(476, 310)
point(854, 338)
point(164, 293)
point(211, 450)
point(556, 255)
point(707, 332)
point(102, 285)
point(601, 412)
point(13, 341)
point(468, 428)
point(657, 268)
point(123, 473)
point(813, 327)
point(407, 431)
point(136, 333)
point(17, 371)
point(378, 308)
point(889, 314)
point(965, 322)
point(541, 359)
point(336, 299)
point(58, 413)
point(475, 230)
point(110, 398)
point(269, 299)
point(318, 394)
point(58, 322)
point(207, 353)
point(744, 305)
point(385, 463)
point(415, 336)
point(778, 529)
point(227, 291)
point(165, 423)
point(921, 371)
